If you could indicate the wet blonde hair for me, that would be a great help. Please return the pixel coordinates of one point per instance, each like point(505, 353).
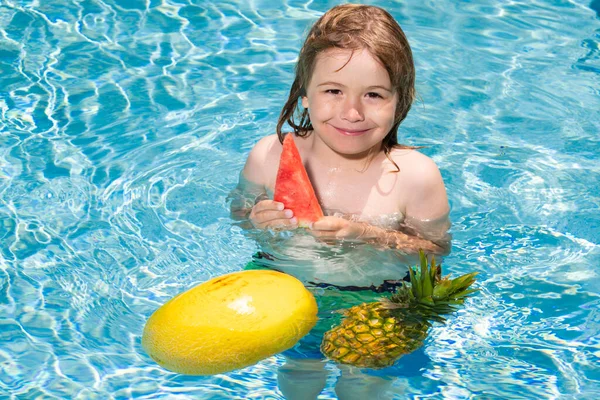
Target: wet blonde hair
point(354, 27)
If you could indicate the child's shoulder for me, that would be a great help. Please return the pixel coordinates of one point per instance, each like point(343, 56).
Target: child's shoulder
point(269, 148)
point(263, 160)
point(413, 163)
point(267, 144)
point(266, 149)
point(421, 185)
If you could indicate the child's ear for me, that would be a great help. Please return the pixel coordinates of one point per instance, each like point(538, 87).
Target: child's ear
point(304, 101)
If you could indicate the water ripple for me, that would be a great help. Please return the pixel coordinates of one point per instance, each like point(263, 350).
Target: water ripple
point(124, 125)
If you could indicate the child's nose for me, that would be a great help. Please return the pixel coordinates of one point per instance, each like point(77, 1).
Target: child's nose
point(352, 110)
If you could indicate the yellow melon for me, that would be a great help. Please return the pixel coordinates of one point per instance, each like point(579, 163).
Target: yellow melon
point(230, 322)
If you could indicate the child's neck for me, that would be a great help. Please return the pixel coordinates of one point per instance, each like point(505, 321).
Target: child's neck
point(328, 157)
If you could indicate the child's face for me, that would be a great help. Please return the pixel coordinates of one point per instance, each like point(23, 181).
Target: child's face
point(351, 104)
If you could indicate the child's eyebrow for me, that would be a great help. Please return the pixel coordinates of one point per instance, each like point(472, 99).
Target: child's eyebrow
point(332, 83)
point(387, 89)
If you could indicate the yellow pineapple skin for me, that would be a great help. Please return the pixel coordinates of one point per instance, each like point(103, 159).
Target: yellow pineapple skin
point(371, 337)
point(375, 335)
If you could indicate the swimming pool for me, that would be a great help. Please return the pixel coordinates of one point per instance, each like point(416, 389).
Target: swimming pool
point(124, 124)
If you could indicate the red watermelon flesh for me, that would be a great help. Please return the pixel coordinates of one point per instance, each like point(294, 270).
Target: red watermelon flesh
point(293, 188)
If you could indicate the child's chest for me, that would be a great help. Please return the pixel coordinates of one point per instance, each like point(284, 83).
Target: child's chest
point(368, 192)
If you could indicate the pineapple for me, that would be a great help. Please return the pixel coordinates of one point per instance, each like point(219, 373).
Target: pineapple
point(375, 335)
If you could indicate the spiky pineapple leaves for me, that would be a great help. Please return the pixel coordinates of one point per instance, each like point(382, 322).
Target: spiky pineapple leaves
point(410, 311)
point(430, 296)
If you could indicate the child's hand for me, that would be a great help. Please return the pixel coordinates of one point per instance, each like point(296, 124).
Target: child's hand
point(269, 214)
point(339, 228)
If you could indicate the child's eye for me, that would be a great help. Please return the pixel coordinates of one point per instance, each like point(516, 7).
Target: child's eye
point(333, 91)
point(373, 95)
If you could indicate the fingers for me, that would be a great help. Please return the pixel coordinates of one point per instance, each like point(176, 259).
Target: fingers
point(329, 228)
point(269, 214)
point(266, 205)
point(338, 228)
point(329, 224)
point(320, 230)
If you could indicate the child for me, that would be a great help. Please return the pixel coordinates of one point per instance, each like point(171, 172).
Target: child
point(355, 79)
point(355, 82)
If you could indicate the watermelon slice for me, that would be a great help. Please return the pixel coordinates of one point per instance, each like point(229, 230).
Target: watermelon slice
point(293, 187)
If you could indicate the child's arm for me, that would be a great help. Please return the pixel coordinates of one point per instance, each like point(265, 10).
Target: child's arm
point(249, 201)
point(426, 202)
point(342, 229)
point(244, 197)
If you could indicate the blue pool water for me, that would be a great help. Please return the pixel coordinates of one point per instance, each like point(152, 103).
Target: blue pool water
point(124, 125)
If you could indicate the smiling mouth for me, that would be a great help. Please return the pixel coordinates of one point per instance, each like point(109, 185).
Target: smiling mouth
point(351, 132)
